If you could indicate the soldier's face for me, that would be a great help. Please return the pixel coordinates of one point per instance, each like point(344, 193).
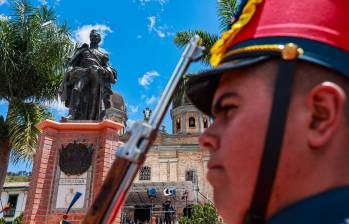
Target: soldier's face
point(235, 140)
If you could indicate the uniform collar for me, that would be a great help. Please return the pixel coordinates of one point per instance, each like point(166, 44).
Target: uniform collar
point(328, 207)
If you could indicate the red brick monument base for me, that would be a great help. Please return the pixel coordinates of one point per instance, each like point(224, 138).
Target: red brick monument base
point(57, 175)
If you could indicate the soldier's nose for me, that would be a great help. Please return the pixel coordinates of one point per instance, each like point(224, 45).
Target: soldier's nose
point(209, 141)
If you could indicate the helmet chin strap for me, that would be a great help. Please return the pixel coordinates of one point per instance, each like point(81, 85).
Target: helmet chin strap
point(273, 142)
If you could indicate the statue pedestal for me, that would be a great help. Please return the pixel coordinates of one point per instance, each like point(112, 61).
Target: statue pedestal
point(71, 157)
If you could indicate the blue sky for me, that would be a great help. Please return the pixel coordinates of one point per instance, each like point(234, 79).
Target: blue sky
point(138, 35)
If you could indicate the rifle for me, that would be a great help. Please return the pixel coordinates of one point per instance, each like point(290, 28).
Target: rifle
point(131, 155)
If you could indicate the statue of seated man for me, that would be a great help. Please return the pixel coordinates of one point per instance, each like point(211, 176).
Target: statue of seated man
point(86, 87)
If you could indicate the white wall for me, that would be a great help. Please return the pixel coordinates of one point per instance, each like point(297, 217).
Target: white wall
point(22, 198)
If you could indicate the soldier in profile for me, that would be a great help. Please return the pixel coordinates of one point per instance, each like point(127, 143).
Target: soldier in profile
point(279, 98)
point(86, 88)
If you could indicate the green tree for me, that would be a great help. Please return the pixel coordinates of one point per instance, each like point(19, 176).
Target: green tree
point(226, 10)
point(34, 48)
point(182, 38)
point(17, 179)
point(201, 214)
point(18, 219)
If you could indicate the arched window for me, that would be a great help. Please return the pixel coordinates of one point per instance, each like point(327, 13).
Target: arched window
point(145, 173)
point(190, 175)
point(191, 122)
point(178, 124)
point(205, 121)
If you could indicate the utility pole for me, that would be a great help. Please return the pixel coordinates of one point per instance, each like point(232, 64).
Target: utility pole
point(196, 187)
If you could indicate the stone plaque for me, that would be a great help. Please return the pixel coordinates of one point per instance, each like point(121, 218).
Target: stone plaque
point(68, 186)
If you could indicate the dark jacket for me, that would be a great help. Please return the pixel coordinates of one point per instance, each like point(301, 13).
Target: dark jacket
point(330, 207)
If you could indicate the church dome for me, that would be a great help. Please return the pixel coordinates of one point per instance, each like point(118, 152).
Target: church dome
point(117, 102)
point(180, 98)
point(117, 111)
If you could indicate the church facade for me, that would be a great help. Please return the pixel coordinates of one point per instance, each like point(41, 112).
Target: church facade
point(173, 176)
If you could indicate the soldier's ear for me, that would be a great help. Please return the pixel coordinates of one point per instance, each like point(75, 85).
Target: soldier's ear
point(326, 110)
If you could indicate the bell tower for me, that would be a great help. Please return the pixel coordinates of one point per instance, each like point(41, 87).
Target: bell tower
point(186, 119)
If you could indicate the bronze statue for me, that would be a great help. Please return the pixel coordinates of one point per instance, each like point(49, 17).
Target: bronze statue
point(86, 88)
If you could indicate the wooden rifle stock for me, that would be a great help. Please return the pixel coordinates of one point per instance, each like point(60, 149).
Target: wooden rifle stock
point(100, 205)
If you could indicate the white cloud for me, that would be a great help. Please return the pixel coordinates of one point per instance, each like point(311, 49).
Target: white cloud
point(56, 3)
point(152, 20)
point(147, 78)
point(4, 18)
point(58, 106)
point(160, 33)
point(3, 102)
point(82, 34)
point(159, 30)
point(170, 33)
point(151, 100)
point(3, 2)
point(134, 109)
point(161, 2)
point(44, 2)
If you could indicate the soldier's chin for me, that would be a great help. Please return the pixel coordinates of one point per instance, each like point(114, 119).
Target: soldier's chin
point(217, 177)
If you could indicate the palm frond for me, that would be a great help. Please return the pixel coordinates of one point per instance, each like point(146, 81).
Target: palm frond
point(22, 119)
point(182, 38)
point(226, 10)
point(35, 49)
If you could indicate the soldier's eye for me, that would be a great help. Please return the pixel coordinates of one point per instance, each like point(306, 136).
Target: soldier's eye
point(228, 110)
point(226, 105)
